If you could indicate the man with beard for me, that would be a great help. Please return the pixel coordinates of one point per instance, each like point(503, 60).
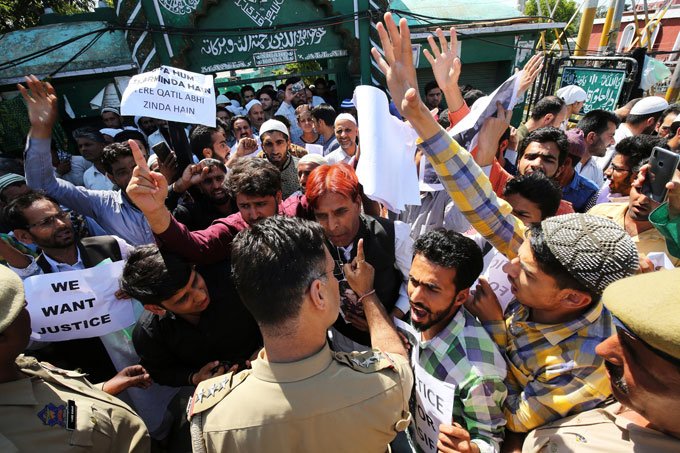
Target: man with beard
point(209, 142)
point(37, 398)
point(643, 361)
point(276, 145)
point(633, 216)
point(453, 346)
point(346, 133)
point(210, 201)
point(38, 219)
point(598, 128)
point(111, 209)
point(255, 112)
point(146, 125)
point(266, 98)
point(549, 332)
point(550, 111)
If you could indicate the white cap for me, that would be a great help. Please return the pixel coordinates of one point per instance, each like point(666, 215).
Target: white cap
point(312, 158)
point(250, 105)
point(233, 110)
point(221, 99)
point(110, 109)
point(110, 131)
point(273, 125)
point(650, 104)
point(571, 94)
point(347, 117)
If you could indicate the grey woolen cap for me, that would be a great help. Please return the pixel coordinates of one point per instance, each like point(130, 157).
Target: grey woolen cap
point(595, 250)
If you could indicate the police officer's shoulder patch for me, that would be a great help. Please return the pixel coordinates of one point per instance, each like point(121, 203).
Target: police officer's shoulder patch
point(366, 361)
point(211, 391)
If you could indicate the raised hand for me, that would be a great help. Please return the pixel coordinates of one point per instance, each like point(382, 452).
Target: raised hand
point(531, 70)
point(41, 103)
point(484, 305)
point(490, 133)
point(191, 176)
point(147, 189)
point(400, 74)
point(359, 273)
point(444, 59)
point(397, 65)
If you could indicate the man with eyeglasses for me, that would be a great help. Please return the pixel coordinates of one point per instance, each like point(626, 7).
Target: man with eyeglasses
point(299, 395)
point(643, 363)
point(631, 153)
point(38, 219)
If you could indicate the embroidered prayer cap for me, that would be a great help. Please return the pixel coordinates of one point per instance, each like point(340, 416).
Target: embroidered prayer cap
point(647, 305)
point(11, 297)
point(595, 250)
point(273, 125)
point(650, 104)
point(9, 179)
point(571, 94)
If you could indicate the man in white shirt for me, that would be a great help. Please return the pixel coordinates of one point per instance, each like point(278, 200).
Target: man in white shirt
point(346, 132)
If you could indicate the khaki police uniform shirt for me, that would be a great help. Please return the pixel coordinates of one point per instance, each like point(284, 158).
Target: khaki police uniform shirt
point(329, 402)
point(598, 430)
point(34, 414)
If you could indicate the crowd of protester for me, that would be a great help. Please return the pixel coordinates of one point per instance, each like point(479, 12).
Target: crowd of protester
point(539, 279)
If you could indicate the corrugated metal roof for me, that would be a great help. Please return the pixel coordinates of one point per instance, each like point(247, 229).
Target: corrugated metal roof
point(447, 11)
point(110, 51)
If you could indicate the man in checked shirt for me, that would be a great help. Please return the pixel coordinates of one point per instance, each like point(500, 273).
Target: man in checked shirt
point(549, 333)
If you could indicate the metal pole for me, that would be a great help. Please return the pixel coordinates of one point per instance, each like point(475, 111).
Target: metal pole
point(604, 38)
point(674, 87)
point(586, 27)
point(616, 26)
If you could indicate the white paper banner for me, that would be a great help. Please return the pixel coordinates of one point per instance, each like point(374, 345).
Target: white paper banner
point(314, 149)
point(433, 398)
point(171, 94)
point(77, 304)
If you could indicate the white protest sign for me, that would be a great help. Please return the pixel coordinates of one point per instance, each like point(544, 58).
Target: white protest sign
point(498, 279)
point(660, 260)
point(433, 398)
point(171, 94)
point(77, 304)
point(314, 149)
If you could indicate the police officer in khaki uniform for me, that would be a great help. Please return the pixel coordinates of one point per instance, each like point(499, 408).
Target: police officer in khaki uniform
point(643, 361)
point(300, 396)
point(43, 408)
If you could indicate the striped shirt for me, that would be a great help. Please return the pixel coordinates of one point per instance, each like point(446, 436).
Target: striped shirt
point(553, 369)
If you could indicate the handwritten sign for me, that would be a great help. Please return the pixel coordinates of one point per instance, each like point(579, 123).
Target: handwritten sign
point(498, 279)
point(171, 94)
point(77, 304)
point(433, 398)
point(602, 85)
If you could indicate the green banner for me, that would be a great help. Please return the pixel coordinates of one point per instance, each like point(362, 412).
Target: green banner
point(602, 85)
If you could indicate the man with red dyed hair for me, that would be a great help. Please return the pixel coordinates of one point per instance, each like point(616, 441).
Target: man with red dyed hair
point(335, 200)
point(334, 196)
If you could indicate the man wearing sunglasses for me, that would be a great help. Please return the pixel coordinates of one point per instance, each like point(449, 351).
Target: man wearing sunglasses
point(643, 363)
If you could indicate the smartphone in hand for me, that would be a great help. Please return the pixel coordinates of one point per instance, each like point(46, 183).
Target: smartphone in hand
point(162, 151)
point(662, 166)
